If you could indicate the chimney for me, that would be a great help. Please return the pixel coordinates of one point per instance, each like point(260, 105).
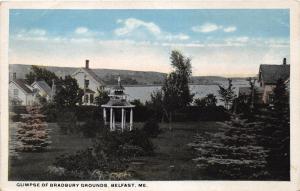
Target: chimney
point(284, 61)
point(14, 76)
point(87, 63)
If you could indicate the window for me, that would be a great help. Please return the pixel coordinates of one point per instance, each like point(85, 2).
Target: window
point(91, 98)
point(86, 98)
point(16, 93)
point(271, 98)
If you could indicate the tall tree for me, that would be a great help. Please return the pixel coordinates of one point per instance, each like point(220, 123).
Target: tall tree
point(39, 73)
point(68, 92)
point(175, 88)
point(279, 138)
point(227, 94)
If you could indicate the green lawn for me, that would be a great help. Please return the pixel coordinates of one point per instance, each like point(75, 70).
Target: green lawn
point(172, 159)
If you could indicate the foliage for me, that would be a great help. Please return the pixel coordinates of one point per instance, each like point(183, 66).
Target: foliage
point(281, 99)
point(14, 101)
point(50, 111)
point(39, 73)
point(276, 133)
point(227, 94)
point(66, 120)
point(209, 100)
point(91, 128)
point(102, 97)
point(176, 92)
point(151, 128)
point(110, 154)
point(141, 111)
point(155, 105)
point(233, 153)
point(68, 93)
point(248, 104)
point(32, 134)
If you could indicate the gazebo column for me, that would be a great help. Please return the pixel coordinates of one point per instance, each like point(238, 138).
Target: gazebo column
point(111, 119)
point(114, 121)
point(122, 120)
point(104, 116)
point(131, 119)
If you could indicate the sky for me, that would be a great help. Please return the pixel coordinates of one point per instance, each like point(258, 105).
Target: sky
point(222, 42)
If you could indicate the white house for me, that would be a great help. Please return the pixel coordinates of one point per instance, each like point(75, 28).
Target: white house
point(20, 92)
point(88, 80)
point(42, 88)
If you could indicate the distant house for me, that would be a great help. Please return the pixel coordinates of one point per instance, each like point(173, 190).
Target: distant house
point(88, 81)
point(42, 88)
point(20, 92)
point(268, 77)
point(245, 92)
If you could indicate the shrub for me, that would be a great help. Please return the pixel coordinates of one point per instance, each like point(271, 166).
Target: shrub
point(91, 128)
point(67, 121)
point(151, 128)
point(108, 157)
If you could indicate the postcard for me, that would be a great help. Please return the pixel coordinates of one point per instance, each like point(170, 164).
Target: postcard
point(150, 95)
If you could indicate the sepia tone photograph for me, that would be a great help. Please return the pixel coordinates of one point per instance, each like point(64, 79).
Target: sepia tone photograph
point(149, 94)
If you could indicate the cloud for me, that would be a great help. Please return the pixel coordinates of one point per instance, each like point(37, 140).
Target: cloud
point(132, 24)
point(211, 27)
point(81, 30)
point(206, 28)
point(177, 37)
point(229, 29)
point(241, 39)
point(142, 30)
point(35, 32)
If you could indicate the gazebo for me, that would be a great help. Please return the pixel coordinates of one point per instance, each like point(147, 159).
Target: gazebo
point(118, 102)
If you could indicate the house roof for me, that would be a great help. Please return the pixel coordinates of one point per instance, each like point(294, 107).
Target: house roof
point(89, 91)
point(93, 75)
point(23, 85)
point(271, 73)
point(42, 84)
point(247, 90)
point(244, 90)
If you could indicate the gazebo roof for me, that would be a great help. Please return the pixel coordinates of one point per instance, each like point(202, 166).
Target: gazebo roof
point(118, 104)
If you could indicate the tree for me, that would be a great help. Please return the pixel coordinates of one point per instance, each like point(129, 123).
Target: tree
point(176, 92)
point(38, 73)
point(209, 100)
point(102, 97)
point(32, 134)
point(281, 99)
point(227, 94)
point(277, 132)
point(156, 104)
point(232, 153)
point(68, 93)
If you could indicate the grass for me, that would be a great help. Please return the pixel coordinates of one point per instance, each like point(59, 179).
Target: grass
point(172, 159)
